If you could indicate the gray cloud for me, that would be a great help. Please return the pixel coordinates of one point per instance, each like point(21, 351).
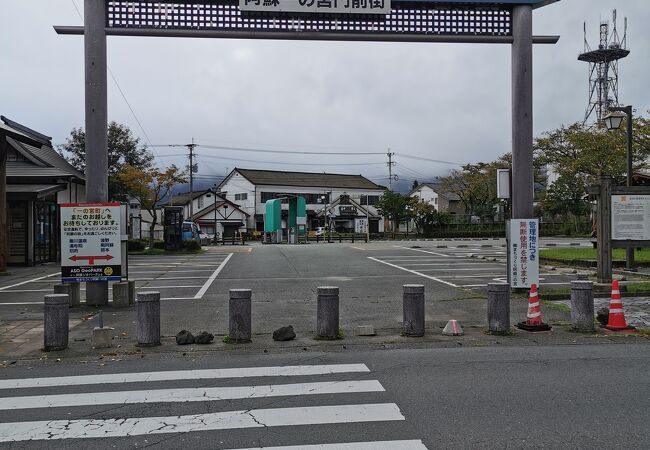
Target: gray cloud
point(448, 102)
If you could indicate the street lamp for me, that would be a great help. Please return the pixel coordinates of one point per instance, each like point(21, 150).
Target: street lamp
point(214, 191)
point(613, 121)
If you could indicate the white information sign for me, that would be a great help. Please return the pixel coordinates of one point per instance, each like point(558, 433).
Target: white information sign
point(631, 217)
point(523, 252)
point(318, 6)
point(90, 242)
point(360, 225)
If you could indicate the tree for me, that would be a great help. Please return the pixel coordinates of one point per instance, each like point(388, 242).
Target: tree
point(149, 187)
point(585, 153)
point(123, 149)
point(393, 206)
point(475, 185)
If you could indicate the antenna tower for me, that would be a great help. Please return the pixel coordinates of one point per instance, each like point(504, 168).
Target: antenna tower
point(603, 68)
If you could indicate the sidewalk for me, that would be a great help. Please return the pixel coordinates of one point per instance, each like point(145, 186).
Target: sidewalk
point(24, 339)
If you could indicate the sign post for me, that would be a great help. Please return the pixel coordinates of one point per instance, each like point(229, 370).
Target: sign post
point(523, 253)
point(90, 242)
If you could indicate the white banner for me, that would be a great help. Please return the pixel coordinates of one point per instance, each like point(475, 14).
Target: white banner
point(318, 6)
point(523, 251)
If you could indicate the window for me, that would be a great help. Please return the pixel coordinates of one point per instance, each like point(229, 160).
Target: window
point(201, 202)
point(371, 200)
point(13, 155)
point(241, 196)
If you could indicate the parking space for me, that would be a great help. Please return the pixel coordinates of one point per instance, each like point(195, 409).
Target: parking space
point(177, 277)
point(463, 265)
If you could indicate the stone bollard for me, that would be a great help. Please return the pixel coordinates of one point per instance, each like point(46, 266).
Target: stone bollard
point(121, 295)
point(66, 289)
point(148, 326)
point(75, 295)
point(55, 322)
point(131, 292)
point(240, 322)
point(498, 308)
point(582, 305)
point(327, 312)
point(413, 310)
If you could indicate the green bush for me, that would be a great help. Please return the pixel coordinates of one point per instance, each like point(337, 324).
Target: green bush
point(136, 245)
point(159, 245)
point(191, 246)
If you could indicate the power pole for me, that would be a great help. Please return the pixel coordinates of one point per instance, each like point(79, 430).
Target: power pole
point(390, 169)
point(191, 148)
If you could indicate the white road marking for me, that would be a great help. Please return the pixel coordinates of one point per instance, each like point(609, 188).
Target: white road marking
point(255, 418)
point(29, 281)
point(210, 280)
point(374, 445)
point(422, 251)
point(413, 272)
point(131, 272)
point(461, 270)
point(173, 375)
point(445, 264)
point(188, 394)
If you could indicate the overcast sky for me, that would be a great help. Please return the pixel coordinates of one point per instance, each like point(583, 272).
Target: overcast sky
point(444, 101)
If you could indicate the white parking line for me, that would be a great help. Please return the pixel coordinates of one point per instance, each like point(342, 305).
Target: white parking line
point(29, 281)
point(423, 251)
point(214, 275)
point(413, 272)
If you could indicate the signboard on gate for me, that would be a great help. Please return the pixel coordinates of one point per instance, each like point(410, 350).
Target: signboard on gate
point(90, 242)
point(318, 6)
point(523, 252)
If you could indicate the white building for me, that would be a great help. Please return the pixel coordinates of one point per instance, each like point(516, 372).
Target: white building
point(209, 208)
point(338, 197)
point(441, 201)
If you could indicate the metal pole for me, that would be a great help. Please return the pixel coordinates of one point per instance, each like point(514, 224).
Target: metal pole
point(4, 239)
point(214, 237)
point(191, 147)
point(96, 105)
point(367, 220)
point(629, 253)
point(522, 112)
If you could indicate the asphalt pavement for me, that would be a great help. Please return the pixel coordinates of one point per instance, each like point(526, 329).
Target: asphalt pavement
point(582, 397)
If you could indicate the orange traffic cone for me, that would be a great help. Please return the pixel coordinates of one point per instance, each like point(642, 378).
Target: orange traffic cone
point(616, 319)
point(534, 320)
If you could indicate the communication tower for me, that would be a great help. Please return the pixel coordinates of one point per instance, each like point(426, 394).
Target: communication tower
point(603, 67)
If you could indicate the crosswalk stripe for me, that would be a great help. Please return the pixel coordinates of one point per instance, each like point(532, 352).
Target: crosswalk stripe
point(175, 375)
point(255, 418)
point(188, 394)
point(375, 445)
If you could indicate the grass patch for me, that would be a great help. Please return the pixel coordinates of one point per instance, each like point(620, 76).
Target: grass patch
point(591, 254)
point(643, 286)
point(556, 306)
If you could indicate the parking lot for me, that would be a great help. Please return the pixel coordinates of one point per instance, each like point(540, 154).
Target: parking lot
point(284, 280)
point(177, 277)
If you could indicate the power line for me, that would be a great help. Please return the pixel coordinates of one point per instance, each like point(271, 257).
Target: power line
point(278, 162)
point(266, 150)
point(119, 88)
point(421, 158)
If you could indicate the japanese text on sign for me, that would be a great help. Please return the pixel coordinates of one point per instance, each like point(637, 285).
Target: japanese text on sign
point(90, 242)
point(631, 217)
point(523, 253)
point(318, 6)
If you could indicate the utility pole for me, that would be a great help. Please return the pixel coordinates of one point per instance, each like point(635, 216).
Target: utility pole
point(191, 148)
point(390, 169)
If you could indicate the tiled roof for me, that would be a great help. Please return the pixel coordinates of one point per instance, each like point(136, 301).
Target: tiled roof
point(307, 179)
